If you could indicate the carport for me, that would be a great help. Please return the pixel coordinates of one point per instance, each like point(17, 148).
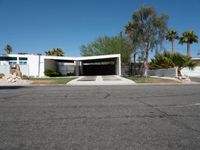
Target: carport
point(99, 65)
point(87, 66)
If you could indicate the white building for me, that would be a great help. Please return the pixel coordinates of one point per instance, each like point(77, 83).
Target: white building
point(35, 65)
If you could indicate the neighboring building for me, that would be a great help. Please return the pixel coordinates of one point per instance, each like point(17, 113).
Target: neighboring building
point(192, 73)
point(35, 65)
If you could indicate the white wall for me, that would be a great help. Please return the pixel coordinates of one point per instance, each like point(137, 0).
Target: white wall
point(191, 73)
point(65, 68)
point(33, 62)
point(5, 69)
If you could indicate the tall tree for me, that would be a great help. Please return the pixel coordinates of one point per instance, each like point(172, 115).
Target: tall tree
point(8, 49)
point(171, 36)
point(150, 29)
point(188, 37)
point(132, 31)
point(109, 45)
point(55, 52)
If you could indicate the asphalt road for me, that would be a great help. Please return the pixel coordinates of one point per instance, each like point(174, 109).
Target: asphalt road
point(100, 118)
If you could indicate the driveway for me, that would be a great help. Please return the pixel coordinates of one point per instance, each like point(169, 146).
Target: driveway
point(101, 80)
point(100, 118)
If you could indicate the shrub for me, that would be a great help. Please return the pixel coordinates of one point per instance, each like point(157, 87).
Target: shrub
point(170, 60)
point(25, 77)
point(1, 75)
point(70, 74)
point(52, 73)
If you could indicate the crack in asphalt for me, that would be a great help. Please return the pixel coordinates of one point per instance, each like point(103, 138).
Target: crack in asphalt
point(107, 95)
point(168, 116)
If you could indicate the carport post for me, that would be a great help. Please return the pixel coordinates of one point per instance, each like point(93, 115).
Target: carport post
point(77, 68)
point(118, 66)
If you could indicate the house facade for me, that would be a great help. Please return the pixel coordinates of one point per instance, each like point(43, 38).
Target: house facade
point(35, 65)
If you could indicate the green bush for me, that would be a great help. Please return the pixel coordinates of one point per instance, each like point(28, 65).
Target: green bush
point(25, 77)
point(170, 60)
point(52, 73)
point(70, 74)
point(1, 75)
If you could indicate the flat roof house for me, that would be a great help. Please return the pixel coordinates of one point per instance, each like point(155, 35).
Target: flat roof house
point(35, 65)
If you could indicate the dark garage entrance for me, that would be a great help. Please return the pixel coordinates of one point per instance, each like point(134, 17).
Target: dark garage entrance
point(99, 67)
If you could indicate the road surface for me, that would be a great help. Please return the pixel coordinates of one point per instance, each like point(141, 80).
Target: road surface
point(100, 117)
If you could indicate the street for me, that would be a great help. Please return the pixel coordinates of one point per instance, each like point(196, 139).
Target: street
point(134, 117)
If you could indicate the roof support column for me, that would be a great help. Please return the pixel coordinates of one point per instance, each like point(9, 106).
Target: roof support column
point(118, 66)
point(77, 62)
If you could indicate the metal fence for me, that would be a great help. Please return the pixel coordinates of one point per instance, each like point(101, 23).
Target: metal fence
point(132, 69)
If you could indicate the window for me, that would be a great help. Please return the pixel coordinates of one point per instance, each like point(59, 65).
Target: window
point(23, 60)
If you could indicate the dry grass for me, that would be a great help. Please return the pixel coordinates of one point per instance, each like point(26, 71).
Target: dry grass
point(151, 80)
point(51, 80)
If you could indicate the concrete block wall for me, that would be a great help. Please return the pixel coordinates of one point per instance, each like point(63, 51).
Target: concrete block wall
point(171, 72)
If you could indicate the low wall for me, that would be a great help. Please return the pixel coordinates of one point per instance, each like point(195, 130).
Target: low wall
point(171, 72)
point(191, 73)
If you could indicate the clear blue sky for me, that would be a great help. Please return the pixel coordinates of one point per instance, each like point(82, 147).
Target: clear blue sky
point(34, 26)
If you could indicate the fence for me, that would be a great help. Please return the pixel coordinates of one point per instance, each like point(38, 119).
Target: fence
point(132, 69)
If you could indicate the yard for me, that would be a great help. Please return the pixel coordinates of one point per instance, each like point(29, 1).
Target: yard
point(139, 79)
point(55, 80)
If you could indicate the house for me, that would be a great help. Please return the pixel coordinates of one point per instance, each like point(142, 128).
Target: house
point(35, 65)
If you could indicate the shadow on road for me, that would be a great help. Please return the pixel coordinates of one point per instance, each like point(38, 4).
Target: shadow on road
point(11, 87)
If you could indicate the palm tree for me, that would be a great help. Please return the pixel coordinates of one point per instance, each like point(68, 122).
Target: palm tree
point(171, 36)
point(188, 37)
point(8, 49)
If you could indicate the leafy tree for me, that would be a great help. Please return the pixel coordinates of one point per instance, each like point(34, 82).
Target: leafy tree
point(171, 36)
point(133, 32)
point(170, 60)
point(8, 49)
point(188, 37)
point(55, 52)
point(149, 29)
point(109, 45)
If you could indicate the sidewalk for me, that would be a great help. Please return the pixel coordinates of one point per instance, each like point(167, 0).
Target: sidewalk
point(101, 80)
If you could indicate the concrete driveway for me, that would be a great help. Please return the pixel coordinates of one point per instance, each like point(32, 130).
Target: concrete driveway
point(100, 118)
point(101, 80)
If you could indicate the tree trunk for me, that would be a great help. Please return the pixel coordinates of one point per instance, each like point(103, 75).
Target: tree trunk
point(188, 49)
point(134, 60)
point(146, 66)
point(172, 45)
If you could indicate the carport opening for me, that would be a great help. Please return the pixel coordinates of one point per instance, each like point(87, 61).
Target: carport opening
point(99, 67)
